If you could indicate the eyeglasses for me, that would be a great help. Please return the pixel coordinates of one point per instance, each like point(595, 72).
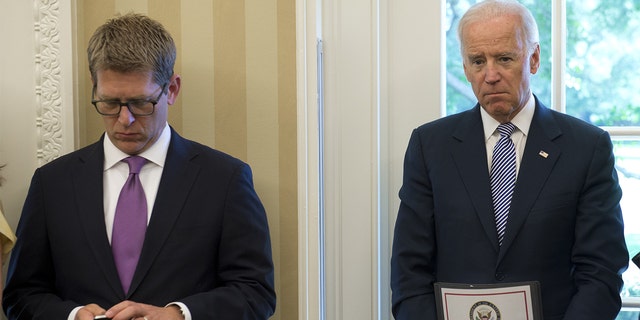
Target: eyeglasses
point(137, 107)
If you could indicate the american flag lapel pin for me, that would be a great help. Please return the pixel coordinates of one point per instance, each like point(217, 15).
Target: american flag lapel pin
point(543, 154)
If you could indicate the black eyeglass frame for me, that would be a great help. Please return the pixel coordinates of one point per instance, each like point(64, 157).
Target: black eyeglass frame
point(127, 103)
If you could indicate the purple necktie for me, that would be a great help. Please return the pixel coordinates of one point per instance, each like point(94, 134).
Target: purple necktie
point(130, 223)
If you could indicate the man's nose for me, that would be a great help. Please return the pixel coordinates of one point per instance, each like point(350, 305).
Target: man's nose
point(492, 73)
point(125, 116)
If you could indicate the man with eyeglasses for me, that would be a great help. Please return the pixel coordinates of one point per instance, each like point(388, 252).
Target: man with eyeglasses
point(185, 238)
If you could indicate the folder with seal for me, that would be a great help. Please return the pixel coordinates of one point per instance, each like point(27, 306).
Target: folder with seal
point(520, 300)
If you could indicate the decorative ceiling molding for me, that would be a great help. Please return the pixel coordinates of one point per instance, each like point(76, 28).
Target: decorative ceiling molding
point(48, 75)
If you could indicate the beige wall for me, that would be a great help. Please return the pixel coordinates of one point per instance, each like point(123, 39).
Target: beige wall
point(237, 62)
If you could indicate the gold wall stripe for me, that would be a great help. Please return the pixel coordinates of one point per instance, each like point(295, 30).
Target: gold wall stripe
point(95, 14)
point(126, 6)
point(198, 71)
point(229, 87)
point(169, 14)
point(262, 109)
point(287, 158)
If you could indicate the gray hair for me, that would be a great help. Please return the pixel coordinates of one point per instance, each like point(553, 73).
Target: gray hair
point(132, 43)
point(488, 9)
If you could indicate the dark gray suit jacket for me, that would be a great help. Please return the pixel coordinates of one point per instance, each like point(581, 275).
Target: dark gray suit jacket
point(565, 226)
point(207, 244)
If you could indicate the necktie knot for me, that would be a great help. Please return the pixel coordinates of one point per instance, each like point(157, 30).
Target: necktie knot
point(506, 129)
point(135, 163)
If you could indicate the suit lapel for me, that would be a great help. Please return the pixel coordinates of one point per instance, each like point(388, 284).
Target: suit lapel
point(540, 155)
point(178, 176)
point(87, 180)
point(474, 173)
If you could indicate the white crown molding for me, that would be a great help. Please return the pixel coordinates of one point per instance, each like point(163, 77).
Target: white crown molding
point(49, 120)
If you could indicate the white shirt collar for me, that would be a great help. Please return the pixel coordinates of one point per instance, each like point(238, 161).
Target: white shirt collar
point(522, 120)
point(157, 153)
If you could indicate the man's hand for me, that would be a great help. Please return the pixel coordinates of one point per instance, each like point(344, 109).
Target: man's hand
point(89, 311)
point(127, 310)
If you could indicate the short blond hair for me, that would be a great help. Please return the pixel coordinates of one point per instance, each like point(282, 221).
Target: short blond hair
point(132, 43)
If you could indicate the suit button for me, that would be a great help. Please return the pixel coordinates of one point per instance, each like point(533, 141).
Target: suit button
point(499, 276)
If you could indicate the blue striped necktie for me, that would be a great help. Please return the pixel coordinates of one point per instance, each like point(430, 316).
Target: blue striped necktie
point(503, 176)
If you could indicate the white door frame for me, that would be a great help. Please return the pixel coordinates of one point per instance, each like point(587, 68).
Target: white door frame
point(382, 76)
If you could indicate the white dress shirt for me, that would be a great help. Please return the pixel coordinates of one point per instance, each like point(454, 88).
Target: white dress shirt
point(115, 175)
point(522, 121)
point(116, 172)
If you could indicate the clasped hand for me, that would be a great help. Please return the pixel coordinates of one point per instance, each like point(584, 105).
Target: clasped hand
point(128, 310)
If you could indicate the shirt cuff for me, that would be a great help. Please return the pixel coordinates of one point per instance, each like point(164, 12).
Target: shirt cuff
point(73, 313)
point(183, 308)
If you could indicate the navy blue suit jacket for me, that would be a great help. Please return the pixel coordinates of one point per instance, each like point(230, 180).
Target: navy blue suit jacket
point(565, 226)
point(207, 244)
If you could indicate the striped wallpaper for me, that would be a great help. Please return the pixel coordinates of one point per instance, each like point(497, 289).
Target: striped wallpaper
point(238, 95)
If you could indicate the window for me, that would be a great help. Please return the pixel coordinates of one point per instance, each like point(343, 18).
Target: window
point(597, 81)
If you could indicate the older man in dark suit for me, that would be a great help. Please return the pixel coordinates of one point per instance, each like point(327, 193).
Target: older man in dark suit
point(509, 191)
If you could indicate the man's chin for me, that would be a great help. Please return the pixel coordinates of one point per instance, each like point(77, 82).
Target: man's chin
point(497, 108)
point(129, 147)
point(500, 111)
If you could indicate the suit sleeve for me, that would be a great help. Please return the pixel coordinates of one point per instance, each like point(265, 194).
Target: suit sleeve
point(245, 264)
point(30, 291)
point(599, 254)
point(414, 247)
